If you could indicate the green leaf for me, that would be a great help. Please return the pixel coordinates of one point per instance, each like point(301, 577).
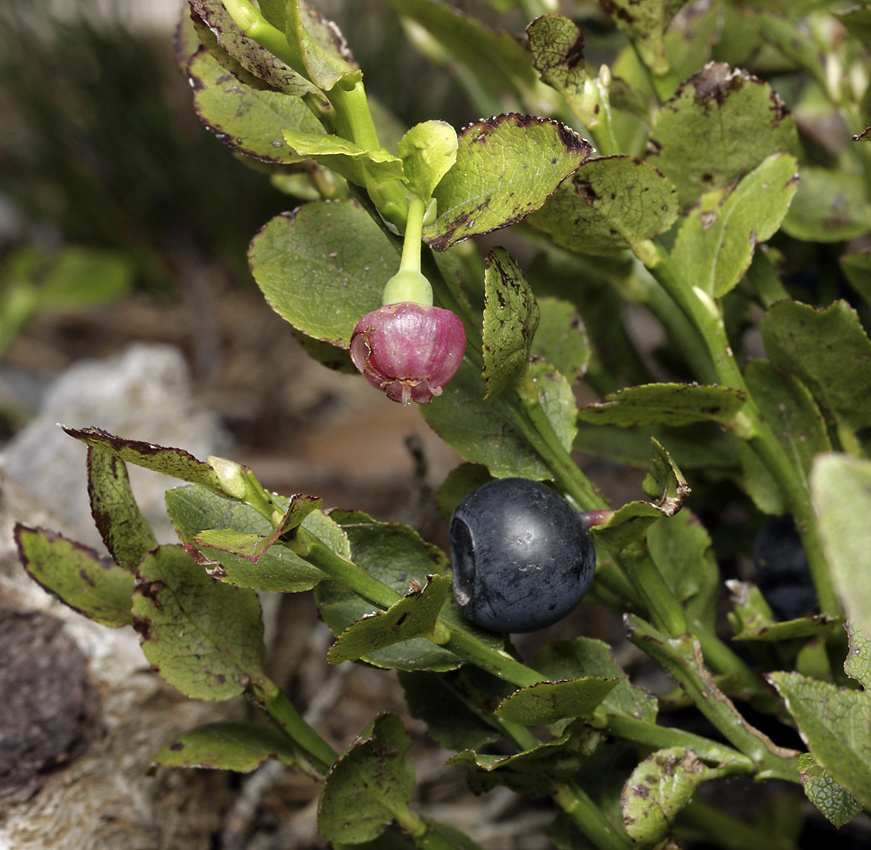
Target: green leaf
point(176, 463)
point(479, 433)
point(278, 570)
point(320, 46)
point(506, 167)
point(428, 151)
point(455, 706)
point(799, 339)
point(547, 702)
point(557, 401)
point(658, 789)
point(344, 157)
point(557, 46)
point(582, 656)
point(841, 496)
point(645, 22)
point(412, 616)
point(834, 724)
point(253, 58)
point(511, 317)
point(759, 483)
point(561, 338)
point(493, 61)
point(716, 242)
point(751, 615)
point(253, 547)
point(395, 555)
point(124, 529)
point(678, 545)
point(837, 804)
point(666, 404)
point(626, 525)
point(788, 407)
point(200, 636)
point(612, 203)
point(857, 269)
point(458, 483)
point(323, 267)
point(720, 125)
point(83, 278)
point(371, 781)
point(830, 206)
point(245, 118)
point(664, 482)
point(76, 575)
point(238, 746)
point(535, 772)
point(703, 444)
point(858, 663)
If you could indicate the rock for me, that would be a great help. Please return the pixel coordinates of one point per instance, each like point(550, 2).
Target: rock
point(143, 393)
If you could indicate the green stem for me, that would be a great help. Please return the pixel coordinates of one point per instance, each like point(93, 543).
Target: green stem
point(659, 599)
point(661, 737)
point(257, 28)
point(311, 548)
point(530, 419)
point(411, 243)
point(283, 713)
point(589, 818)
point(682, 658)
point(750, 424)
point(730, 832)
point(722, 659)
point(499, 663)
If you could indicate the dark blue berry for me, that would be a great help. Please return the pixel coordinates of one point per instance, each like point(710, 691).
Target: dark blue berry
point(523, 557)
point(782, 572)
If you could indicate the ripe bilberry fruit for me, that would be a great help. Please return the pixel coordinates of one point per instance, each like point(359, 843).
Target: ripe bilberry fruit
point(409, 350)
point(782, 571)
point(523, 557)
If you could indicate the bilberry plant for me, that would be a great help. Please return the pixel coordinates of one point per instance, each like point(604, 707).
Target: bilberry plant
point(718, 151)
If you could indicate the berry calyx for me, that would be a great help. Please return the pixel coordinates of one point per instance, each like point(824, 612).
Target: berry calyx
point(408, 350)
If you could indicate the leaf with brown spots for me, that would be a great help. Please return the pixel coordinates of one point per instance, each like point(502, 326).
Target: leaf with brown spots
point(610, 204)
point(369, 782)
point(413, 616)
point(124, 529)
point(666, 404)
point(236, 745)
point(506, 167)
point(246, 118)
point(201, 636)
point(658, 789)
point(511, 318)
point(645, 22)
point(828, 351)
point(557, 46)
point(720, 124)
point(716, 241)
point(76, 575)
point(220, 33)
